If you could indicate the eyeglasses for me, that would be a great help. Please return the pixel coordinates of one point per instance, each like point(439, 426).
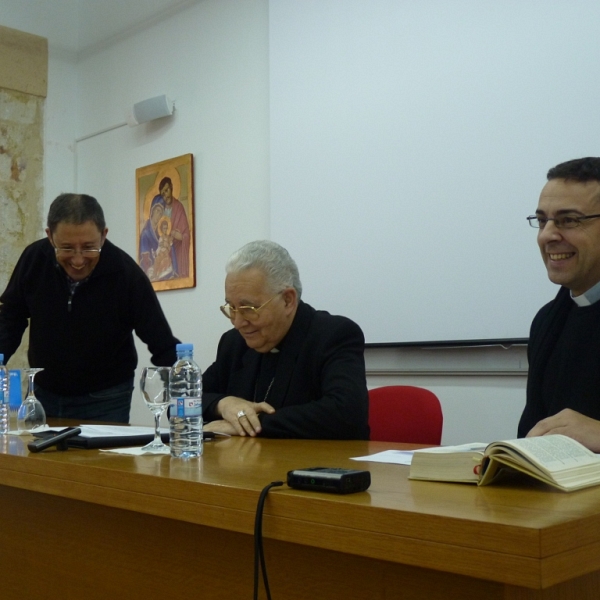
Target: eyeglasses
point(250, 313)
point(568, 222)
point(86, 252)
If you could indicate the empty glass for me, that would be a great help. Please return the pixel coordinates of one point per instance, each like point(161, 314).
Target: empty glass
point(31, 413)
point(154, 384)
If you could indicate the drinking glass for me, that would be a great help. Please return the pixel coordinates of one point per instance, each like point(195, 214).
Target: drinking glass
point(31, 413)
point(154, 384)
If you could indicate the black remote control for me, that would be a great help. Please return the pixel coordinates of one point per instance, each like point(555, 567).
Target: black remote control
point(59, 439)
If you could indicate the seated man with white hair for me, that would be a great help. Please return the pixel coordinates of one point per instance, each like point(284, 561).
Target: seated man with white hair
point(286, 370)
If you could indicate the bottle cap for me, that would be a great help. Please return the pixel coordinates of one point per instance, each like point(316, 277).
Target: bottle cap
point(184, 348)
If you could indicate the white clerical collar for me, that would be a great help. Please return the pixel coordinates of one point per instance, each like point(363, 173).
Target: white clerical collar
point(588, 298)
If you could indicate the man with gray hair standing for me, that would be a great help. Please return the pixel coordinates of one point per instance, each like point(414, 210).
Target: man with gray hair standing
point(286, 370)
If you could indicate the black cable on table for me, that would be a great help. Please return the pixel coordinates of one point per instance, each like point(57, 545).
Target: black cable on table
point(259, 556)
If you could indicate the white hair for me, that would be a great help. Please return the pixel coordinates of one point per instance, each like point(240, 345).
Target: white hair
point(272, 259)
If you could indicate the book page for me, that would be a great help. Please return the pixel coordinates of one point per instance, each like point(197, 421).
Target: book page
point(551, 452)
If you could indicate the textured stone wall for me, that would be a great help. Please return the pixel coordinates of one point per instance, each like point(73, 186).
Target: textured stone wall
point(22, 91)
point(21, 182)
point(21, 176)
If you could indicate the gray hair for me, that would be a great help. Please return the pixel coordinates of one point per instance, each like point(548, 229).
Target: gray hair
point(75, 209)
point(272, 259)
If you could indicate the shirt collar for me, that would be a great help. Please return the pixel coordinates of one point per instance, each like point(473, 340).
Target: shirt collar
point(588, 298)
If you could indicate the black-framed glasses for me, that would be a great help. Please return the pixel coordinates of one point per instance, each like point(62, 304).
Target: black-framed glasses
point(250, 313)
point(566, 222)
point(70, 252)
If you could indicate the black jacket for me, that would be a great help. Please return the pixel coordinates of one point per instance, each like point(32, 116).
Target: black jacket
point(86, 345)
point(564, 361)
point(319, 390)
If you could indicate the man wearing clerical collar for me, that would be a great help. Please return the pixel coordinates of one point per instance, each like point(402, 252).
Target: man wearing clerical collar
point(286, 370)
point(563, 387)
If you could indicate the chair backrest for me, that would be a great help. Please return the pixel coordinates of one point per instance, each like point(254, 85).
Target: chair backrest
point(405, 413)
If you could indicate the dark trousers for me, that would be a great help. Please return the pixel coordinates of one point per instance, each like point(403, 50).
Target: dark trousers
point(112, 405)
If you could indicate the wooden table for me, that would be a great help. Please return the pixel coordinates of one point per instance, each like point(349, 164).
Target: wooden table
point(94, 525)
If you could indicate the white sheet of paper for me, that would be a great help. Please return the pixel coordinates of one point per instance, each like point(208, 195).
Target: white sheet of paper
point(135, 451)
point(396, 457)
point(34, 430)
point(94, 431)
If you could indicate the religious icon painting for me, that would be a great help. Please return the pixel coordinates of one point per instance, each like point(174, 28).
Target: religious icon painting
point(165, 223)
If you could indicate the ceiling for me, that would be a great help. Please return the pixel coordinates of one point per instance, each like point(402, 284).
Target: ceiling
point(81, 26)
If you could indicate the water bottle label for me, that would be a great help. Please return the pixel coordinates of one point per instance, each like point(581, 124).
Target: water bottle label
point(189, 407)
point(15, 396)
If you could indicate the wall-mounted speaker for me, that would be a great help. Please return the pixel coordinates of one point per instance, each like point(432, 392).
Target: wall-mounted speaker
point(149, 110)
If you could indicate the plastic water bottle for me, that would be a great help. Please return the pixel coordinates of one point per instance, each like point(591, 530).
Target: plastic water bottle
point(4, 398)
point(185, 412)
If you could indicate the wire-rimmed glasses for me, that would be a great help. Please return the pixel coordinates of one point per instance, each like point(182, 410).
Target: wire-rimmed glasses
point(70, 252)
point(562, 222)
point(250, 313)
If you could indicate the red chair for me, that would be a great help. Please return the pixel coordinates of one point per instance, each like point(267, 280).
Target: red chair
point(405, 413)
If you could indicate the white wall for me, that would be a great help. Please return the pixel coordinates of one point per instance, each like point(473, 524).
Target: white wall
point(426, 130)
point(212, 59)
point(481, 390)
point(60, 125)
point(476, 409)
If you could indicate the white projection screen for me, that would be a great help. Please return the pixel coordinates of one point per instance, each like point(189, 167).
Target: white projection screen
point(409, 141)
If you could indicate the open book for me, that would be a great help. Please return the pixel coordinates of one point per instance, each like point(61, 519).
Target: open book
point(557, 460)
